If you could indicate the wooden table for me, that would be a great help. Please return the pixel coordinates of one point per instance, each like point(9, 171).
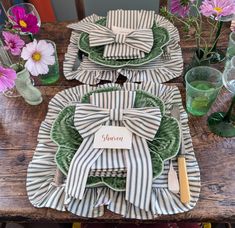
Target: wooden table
point(19, 124)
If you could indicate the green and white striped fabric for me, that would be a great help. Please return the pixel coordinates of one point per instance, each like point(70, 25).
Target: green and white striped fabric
point(158, 71)
point(112, 109)
point(132, 20)
point(43, 191)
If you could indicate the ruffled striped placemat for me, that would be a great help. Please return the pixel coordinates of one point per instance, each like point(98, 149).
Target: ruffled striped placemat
point(157, 71)
point(43, 190)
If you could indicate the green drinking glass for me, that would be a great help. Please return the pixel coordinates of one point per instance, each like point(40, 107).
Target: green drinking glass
point(202, 87)
point(53, 75)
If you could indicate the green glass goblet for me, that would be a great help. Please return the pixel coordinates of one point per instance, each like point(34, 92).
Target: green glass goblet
point(231, 48)
point(223, 123)
point(217, 54)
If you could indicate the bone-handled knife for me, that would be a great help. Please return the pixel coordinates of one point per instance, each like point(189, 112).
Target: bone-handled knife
point(183, 175)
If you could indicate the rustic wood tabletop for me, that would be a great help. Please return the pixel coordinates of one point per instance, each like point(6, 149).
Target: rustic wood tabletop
point(19, 124)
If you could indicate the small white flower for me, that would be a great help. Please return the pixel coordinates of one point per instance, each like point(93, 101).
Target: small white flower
point(38, 56)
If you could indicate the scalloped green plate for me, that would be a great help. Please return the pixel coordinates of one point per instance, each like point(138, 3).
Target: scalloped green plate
point(164, 146)
point(95, 54)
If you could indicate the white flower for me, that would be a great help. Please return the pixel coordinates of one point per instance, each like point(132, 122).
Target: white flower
point(38, 56)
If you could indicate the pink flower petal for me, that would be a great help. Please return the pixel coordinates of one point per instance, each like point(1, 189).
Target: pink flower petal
point(30, 66)
point(41, 68)
point(49, 60)
point(13, 42)
point(208, 8)
point(18, 12)
point(178, 8)
point(7, 78)
point(45, 48)
point(28, 50)
point(3, 87)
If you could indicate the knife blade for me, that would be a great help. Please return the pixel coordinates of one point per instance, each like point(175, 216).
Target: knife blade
point(183, 175)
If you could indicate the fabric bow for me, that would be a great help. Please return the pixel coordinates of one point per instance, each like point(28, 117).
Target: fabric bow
point(142, 122)
point(140, 39)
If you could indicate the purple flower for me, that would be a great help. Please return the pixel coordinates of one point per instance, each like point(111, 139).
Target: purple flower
point(180, 7)
point(7, 78)
point(217, 8)
point(24, 22)
point(13, 43)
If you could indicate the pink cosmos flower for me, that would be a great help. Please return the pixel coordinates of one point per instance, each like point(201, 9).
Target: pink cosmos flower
point(13, 43)
point(24, 22)
point(181, 7)
point(217, 8)
point(38, 55)
point(7, 78)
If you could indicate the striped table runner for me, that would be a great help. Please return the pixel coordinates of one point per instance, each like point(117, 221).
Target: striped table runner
point(158, 71)
point(127, 19)
point(44, 192)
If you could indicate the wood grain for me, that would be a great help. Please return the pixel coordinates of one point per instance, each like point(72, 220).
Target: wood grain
point(80, 9)
point(19, 124)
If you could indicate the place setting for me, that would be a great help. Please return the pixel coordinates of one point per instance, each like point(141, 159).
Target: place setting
point(139, 51)
point(78, 172)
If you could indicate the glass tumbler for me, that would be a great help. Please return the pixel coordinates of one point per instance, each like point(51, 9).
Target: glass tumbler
point(202, 87)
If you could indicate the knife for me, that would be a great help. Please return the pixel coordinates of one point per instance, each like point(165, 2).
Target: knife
point(183, 176)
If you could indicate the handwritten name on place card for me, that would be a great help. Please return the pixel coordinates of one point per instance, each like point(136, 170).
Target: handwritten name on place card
point(113, 137)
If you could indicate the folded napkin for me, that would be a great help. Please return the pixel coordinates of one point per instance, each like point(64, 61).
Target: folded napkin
point(142, 122)
point(122, 22)
point(111, 159)
point(138, 40)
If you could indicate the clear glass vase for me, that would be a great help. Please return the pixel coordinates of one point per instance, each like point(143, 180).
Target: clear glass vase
point(5, 59)
point(29, 9)
point(198, 59)
point(53, 75)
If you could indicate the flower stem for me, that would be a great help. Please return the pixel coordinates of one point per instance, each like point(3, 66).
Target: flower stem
point(199, 25)
point(31, 37)
point(219, 27)
point(213, 29)
point(228, 115)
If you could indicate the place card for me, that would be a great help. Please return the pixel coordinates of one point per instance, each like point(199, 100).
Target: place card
point(113, 137)
point(121, 30)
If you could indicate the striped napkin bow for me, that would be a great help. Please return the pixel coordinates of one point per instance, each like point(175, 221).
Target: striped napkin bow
point(140, 39)
point(142, 122)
